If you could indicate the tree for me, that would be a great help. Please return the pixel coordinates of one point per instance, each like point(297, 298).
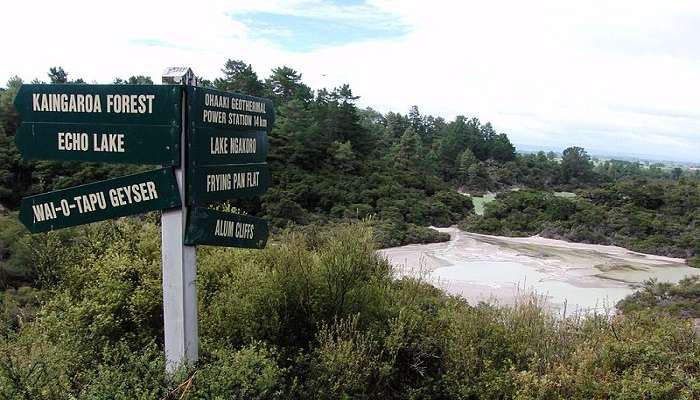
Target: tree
point(478, 177)
point(396, 125)
point(454, 138)
point(342, 154)
point(239, 77)
point(676, 173)
point(371, 118)
point(58, 75)
point(134, 80)
point(576, 166)
point(407, 151)
point(9, 118)
point(15, 175)
point(340, 121)
point(418, 123)
point(204, 82)
point(501, 149)
point(297, 138)
point(465, 161)
point(284, 84)
point(344, 95)
point(345, 121)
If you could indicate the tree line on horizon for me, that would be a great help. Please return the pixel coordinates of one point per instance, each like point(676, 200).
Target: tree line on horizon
point(323, 131)
point(331, 160)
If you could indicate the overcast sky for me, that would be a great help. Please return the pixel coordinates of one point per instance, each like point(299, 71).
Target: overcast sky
point(612, 76)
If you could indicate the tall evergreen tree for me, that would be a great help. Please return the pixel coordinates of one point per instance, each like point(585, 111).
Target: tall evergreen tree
point(285, 84)
point(500, 148)
point(408, 154)
point(465, 162)
point(396, 125)
point(239, 77)
point(57, 75)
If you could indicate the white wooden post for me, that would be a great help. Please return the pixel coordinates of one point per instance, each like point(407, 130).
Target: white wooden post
point(179, 261)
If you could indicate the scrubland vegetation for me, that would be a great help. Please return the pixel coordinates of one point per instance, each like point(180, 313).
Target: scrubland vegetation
point(315, 315)
point(655, 217)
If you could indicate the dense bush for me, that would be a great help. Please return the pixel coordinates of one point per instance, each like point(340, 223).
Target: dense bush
point(16, 266)
point(651, 217)
point(392, 233)
point(316, 315)
point(681, 299)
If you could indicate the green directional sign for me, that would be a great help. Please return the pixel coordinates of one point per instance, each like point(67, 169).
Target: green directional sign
point(137, 144)
point(211, 146)
point(227, 142)
point(217, 228)
point(209, 108)
point(105, 123)
point(113, 198)
point(209, 184)
point(103, 104)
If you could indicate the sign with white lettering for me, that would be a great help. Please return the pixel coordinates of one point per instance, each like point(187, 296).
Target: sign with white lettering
point(101, 143)
point(113, 198)
point(218, 228)
point(226, 138)
point(209, 108)
point(105, 123)
point(210, 146)
point(212, 183)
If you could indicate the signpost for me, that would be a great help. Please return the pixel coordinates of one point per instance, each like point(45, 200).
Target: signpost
point(210, 108)
point(212, 183)
point(217, 228)
point(113, 198)
point(213, 145)
point(226, 132)
point(137, 144)
point(137, 124)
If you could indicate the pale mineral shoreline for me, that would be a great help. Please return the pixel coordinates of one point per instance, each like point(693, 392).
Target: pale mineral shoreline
point(574, 276)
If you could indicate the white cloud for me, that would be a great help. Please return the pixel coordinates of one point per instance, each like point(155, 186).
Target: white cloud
point(619, 75)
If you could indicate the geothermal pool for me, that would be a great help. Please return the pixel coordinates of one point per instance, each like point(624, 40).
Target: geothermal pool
point(566, 276)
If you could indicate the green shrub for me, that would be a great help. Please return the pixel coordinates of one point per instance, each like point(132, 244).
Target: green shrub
point(125, 374)
point(319, 315)
point(680, 300)
point(391, 233)
point(281, 294)
point(16, 266)
point(247, 374)
point(358, 211)
point(694, 262)
point(345, 363)
point(650, 217)
point(241, 297)
point(632, 358)
point(18, 307)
